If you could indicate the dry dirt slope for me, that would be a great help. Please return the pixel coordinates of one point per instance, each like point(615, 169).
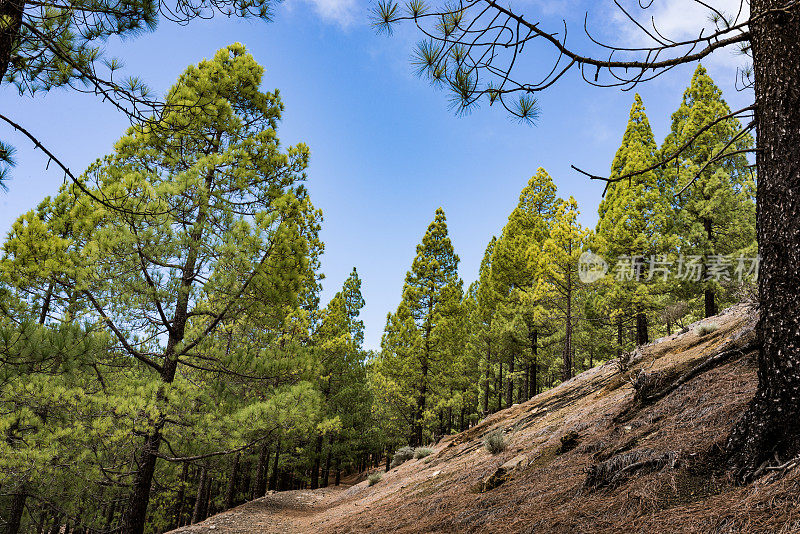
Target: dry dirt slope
point(631, 465)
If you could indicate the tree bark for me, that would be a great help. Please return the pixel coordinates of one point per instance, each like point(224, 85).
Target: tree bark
point(642, 337)
point(201, 493)
point(708, 297)
point(17, 509)
point(510, 387)
point(178, 500)
point(273, 481)
point(771, 424)
point(262, 468)
point(535, 363)
point(230, 492)
point(11, 12)
point(317, 461)
point(486, 378)
point(500, 388)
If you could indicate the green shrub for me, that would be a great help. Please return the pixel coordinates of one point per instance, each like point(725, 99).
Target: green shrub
point(704, 329)
point(495, 442)
point(374, 478)
point(401, 455)
point(422, 452)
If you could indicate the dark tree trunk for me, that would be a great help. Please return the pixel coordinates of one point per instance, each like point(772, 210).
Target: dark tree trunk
point(178, 500)
point(642, 337)
point(535, 363)
point(326, 473)
point(317, 462)
point(620, 337)
point(230, 492)
point(711, 306)
point(567, 368)
point(15, 513)
point(510, 392)
point(201, 493)
point(273, 481)
point(771, 424)
point(11, 13)
point(338, 479)
point(500, 389)
point(262, 468)
point(486, 379)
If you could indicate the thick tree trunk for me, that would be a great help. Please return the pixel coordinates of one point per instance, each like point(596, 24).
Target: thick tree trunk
point(771, 424)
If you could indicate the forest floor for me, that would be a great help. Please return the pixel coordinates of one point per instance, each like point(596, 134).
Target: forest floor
point(594, 454)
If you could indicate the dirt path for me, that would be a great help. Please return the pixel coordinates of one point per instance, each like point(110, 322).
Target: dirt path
point(285, 512)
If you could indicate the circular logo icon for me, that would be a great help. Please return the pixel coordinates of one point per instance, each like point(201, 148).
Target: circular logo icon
point(591, 267)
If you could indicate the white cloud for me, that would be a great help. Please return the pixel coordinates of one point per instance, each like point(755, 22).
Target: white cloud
point(344, 13)
point(680, 20)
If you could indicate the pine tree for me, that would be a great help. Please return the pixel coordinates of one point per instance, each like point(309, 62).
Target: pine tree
point(558, 262)
point(632, 226)
point(416, 337)
point(205, 271)
point(716, 214)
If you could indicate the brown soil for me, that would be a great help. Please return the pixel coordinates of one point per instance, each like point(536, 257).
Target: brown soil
point(630, 467)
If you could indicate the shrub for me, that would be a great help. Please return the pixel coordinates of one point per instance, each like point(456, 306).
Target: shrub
point(401, 455)
point(374, 478)
point(422, 452)
point(704, 329)
point(495, 442)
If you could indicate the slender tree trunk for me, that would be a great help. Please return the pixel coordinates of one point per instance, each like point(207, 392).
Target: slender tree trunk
point(620, 337)
point(326, 473)
point(178, 500)
point(230, 492)
point(262, 469)
point(710, 305)
point(338, 479)
point(642, 337)
point(566, 371)
point(500, 388)
point(201, 493)
point(535, 362)
point(770, 427)
point(317, 461)
point(486, 378)
point(273, 481)
point(510, 392)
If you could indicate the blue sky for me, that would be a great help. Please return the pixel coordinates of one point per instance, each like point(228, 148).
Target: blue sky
point(386, 151)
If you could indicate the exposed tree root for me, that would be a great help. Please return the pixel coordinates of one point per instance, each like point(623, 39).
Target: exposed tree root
point(617, 469)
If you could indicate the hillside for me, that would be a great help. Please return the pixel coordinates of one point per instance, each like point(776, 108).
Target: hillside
point(587, 456)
